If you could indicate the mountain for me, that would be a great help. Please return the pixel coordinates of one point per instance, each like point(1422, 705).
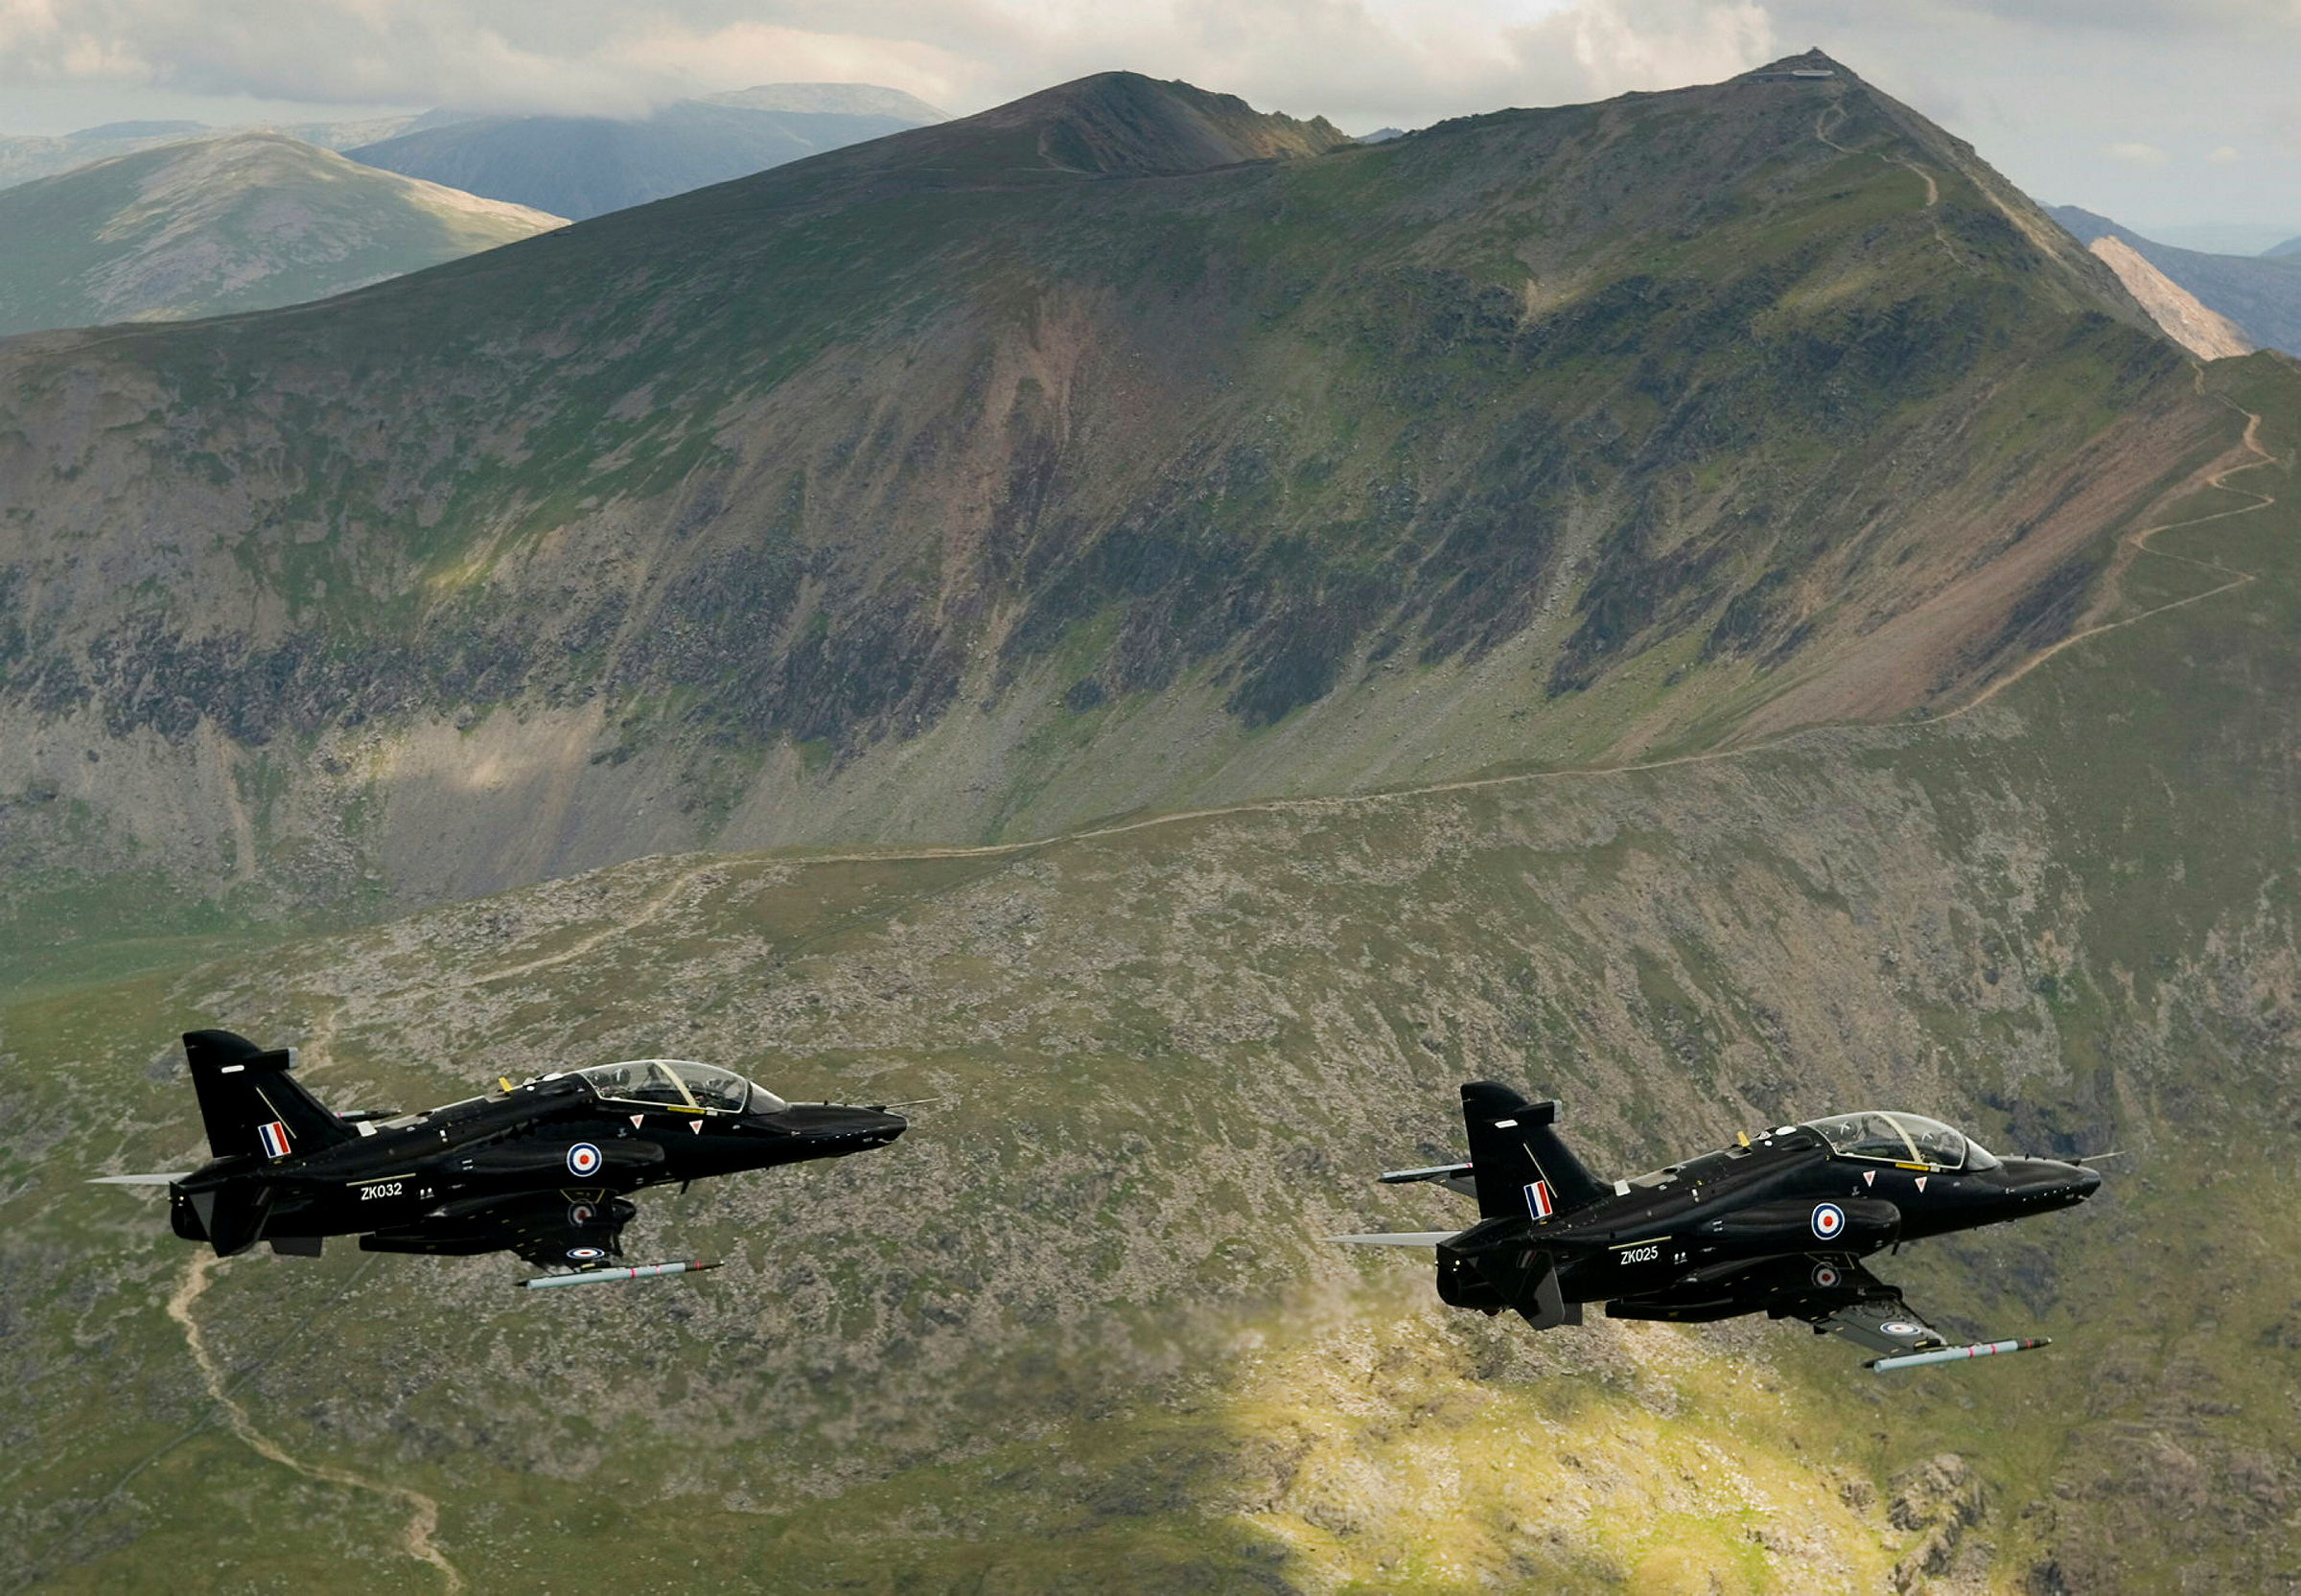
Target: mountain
point(1000, 474)
point(585, 166)
point(2260, 294)
point(1709, 606)
point(2220, 238)
point(1079, 1329)
point(24, 158)
point(833, 100)
point(2291, 246)
point(215, 226)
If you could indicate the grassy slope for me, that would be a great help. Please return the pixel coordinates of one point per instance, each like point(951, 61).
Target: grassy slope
point(218, 227)
point(1076, 1326)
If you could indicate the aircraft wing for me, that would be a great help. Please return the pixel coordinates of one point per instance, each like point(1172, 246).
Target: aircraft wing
point(1878, 1318)
point(546, 1229)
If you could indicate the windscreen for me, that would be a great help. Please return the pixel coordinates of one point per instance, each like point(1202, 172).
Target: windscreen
point(1935, 1143)
point(638, 1080)
point(720, 1091)
point(1871, 1135)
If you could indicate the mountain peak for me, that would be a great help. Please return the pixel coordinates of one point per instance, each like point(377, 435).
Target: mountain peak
point(1124, 124)
point(1810, 64)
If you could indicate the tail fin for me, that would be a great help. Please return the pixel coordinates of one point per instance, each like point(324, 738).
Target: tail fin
point(250, 1103)
point(1521, 1168)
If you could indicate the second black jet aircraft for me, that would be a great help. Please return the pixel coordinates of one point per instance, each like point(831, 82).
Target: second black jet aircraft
point(1778, 1225)
point(538, 1169)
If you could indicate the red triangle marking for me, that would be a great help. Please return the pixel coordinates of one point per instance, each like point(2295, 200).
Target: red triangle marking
point(636, 1119)
point(695, 1125)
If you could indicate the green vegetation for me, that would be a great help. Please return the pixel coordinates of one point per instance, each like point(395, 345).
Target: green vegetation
point(1079, 1326)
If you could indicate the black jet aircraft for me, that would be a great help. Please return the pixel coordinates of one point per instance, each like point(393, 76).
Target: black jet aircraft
point(538, 1169)
point(1776, 1226)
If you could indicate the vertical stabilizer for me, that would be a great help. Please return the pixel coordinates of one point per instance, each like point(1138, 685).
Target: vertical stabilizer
point(1521, 1168)
point(249, 1102)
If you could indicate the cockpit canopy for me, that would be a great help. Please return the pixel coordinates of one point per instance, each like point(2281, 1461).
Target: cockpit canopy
point(1892, 1137)
point(680, 1083)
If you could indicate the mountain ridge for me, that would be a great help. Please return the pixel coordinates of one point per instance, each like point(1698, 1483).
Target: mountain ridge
point(938, 489)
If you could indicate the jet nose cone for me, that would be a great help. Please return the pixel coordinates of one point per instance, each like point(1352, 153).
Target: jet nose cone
point(2087, 1183)
point(843, 1125)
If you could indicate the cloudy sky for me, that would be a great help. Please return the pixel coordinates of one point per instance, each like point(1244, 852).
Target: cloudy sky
point(2166, 114)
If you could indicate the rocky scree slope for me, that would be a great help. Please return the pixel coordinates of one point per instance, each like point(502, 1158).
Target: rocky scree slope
point(1078, 1326)
point(2260, 293)
point(212, 226)
point(1003, 472)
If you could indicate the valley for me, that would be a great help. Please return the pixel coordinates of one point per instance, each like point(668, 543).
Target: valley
point(1179, 640)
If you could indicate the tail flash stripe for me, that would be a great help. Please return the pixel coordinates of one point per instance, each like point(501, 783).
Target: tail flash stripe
point(275, 1137)
point(1538, 1199)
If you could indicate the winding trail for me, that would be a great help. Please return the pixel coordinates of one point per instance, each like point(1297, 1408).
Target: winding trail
point(649, 912)
point(2131, 545)
point(423, 1511)
point(2134, 544)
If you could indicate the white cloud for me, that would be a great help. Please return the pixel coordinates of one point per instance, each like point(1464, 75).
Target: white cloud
point(2136, 155)
point(1408, 60)
point(2225, 156)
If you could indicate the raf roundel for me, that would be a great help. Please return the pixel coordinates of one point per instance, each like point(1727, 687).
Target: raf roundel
point(1826, 1277)
point(583, 1159)
point(1829, 1221)
point(1902, 1326)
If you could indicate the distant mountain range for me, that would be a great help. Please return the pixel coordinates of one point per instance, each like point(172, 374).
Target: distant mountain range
point(585, 166)
point(26, 157)
point(833, 100)
point(242, 222)
point(2260, 293)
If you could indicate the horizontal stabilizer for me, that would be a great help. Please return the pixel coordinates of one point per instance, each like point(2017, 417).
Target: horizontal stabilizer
point(140, 1180)
point(1436, 1171)
point(1399, 1238)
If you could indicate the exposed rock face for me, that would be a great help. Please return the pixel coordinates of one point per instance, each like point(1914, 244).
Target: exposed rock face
point(1935, 1502)
point(2203, 333)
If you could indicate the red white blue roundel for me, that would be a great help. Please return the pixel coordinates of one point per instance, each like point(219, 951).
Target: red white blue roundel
point(1902, 1326)
point(1824, 1276)
point(1829, 1219)
point(583, 1159)
point(584, 1255)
